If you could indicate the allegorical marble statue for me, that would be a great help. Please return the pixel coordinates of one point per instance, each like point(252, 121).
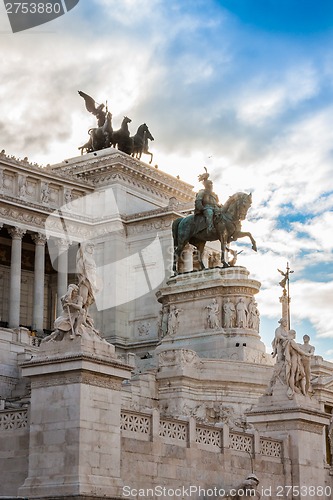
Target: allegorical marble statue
point(229, 312)
point(173, 320)
point(253, 315)
point(241, 313)
point(74, 319)
point(213, 311)
point(86, 273)
point(308, 348)
point(211, 222)
point(292, 367)
point(45, 193)
point(163, 322)
point(280, 336)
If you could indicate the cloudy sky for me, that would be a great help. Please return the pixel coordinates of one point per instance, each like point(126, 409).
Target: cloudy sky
point(244, 87)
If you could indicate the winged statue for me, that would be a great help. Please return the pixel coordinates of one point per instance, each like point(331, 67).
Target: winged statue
point(94, 108)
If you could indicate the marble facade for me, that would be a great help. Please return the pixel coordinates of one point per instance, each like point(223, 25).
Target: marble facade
point(176, 396)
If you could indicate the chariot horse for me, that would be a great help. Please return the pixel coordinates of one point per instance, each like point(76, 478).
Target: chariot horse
point(227, 227)
point(121, 137)
point(140, 142)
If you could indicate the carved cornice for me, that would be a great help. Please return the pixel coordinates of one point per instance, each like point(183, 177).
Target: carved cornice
point(113, 164)
point(35, 170)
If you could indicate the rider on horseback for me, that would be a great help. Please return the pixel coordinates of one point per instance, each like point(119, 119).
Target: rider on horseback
point(206, 201)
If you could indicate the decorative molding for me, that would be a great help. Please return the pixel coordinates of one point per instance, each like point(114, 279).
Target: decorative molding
point(116, 165)
point(179, 357)
point(87, 378)
point(145, 227)
point(24, 165)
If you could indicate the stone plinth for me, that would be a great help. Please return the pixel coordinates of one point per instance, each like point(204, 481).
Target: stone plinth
point(220, 335)
point(75, 420)
point(302, 422)
point(189, 385)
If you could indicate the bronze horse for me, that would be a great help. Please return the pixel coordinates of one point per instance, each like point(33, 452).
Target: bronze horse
point(227, 228)
point(121, 137)
point(140, 142)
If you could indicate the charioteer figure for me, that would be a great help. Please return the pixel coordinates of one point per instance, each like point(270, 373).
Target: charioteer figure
point(93, 107)
point(206, 201)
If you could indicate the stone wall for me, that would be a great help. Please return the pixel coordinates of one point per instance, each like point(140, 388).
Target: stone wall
point(14, 450)
point(182, 453)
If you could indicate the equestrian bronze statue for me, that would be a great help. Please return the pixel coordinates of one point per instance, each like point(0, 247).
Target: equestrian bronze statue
point(210, 222)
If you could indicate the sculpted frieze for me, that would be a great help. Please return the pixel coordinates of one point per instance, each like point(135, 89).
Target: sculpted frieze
point(146, 227)
point(241, 290)
point(77, 378)
point(179, 357)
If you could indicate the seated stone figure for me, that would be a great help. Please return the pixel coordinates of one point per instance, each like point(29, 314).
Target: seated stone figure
point(72, 318)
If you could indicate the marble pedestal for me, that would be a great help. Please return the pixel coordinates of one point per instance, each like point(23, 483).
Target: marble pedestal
point(192, 294)
point(301, 421)
point(74, 420)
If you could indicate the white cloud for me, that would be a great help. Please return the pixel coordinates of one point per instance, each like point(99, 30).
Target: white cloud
point(206, 89)
point(264, 99)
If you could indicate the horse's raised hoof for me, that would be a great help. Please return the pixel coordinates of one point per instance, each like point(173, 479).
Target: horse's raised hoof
point(254, 247)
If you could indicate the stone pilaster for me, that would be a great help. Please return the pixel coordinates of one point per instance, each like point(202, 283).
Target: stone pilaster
point(75, 420)
point(39, 278)
point(62, 268)
point(15, 276)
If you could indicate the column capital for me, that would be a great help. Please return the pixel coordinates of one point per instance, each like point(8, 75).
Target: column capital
point(16, 233)
point(39, 239)
point(62, 244)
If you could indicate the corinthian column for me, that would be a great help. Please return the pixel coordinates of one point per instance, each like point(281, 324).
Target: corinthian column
point(63, 246)
point(39, 277)
point(15, 277)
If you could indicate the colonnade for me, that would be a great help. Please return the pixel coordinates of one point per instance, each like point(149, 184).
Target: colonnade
point(40, 240)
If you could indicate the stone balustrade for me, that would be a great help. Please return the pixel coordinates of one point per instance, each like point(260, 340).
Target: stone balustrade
point(11, 420)
point(187, 432)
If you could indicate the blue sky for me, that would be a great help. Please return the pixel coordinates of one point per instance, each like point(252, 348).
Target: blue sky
point(244, 87)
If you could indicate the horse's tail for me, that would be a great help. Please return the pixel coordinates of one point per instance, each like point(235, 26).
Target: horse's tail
point(175, 225)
